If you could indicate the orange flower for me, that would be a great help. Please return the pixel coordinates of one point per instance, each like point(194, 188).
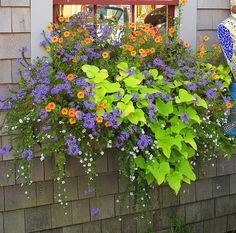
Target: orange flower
point(102, 106)
point(47, 109)
point(72, 121)
point(152, 50)
point(133, 53)
point(105, 55)
point(50, 27)
point(72, 113)
point(202, 46)
point(60, 40)
point(79, 30)
point(64, 111)
point(184, 2)
point(130, 48)
point(132, 25)
point(73, 34)
point(88, 40)
point(206, 38)
point(214, 76)
point(80, 95)
point(99, 119)
point(52, 105)
point(70, 77)
point(202, 53)
point(229, 105)
point(141, 50)
point(66, 34)
point(74, 60)
point(54, 39)
point(142, 41)
point(159, 40)
point(61, 19)
point(186, 44)
point(48, 49)
point(172, 30)
point(107, 124)
point(144, 54)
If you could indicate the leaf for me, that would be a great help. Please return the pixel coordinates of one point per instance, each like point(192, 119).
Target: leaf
point(132, 82)
point(111, 87)
point(189, 138)
point(90, 71)
point(149, 178)
point(123, 66)
point(201, 102)
point(128, 109)
point(164, 108)
point(193, 114)
point(101, 76)
point(137, 116)
point(100, 93)
point(174, 180)
point(127, 98)
point(177, 125)
point(165, 144)
point(184, 96)
point(140, 162)
point(154, 73)
point(160, 171)
point(186, 169)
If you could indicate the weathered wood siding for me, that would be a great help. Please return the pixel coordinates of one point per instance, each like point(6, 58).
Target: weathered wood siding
point(210, 14)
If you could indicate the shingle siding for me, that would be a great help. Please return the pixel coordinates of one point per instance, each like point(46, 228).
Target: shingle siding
point(210, 14)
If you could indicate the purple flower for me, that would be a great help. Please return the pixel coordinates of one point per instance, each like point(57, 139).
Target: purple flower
point(72, 147)
point(89, 105)
point(144, 142)
point(131, 72)
point(191, 86)
point(89, 121)
point(43, 114)
point(185, 118)
point(89, 191)
point(96, 212)
point(27, 154)
point(211, 94)
point(5, 150)
point(114, 122)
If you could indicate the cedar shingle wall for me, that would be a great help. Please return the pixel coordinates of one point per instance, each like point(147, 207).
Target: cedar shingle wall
point(210, 14)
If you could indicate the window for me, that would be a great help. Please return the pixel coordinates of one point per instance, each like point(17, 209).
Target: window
point(155, 12)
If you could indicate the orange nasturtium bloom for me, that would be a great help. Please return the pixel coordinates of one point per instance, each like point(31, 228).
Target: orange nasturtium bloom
point(60, 40)
point(66, 34)
point(48, 109)
point(61, 19)
point(107, 124)
point(52, 105)
point(72, 121)
point(99, 119)
point(184, 2)
point(48, 49)
point(80, 95)
point(72, 113)
point(64, 111)
point(186, 44)
point(206, 38)
point(172, 30)
point(133, 53)
point(105, 55)
point(70, 77)
point(229, 105)
point(50, 27)
point(54, 39)
point(159, 39)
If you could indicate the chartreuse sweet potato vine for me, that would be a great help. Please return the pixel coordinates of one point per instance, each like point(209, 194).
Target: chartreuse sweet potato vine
point(149, 95)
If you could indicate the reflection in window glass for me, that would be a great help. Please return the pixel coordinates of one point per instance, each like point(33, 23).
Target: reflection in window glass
point(115, 13)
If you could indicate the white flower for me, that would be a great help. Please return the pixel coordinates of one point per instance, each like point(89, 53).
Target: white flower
point(21, 121)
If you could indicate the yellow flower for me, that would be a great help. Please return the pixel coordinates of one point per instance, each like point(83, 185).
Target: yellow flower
point(66, 34)
point(184, 2)
point(72, 121)
point(80, 95)
point(105, 55)
point(61, 19)
point(206, 38)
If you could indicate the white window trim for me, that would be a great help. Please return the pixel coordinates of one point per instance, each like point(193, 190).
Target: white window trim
point(42, 15)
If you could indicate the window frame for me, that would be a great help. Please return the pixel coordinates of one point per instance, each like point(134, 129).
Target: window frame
point(171, 4)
